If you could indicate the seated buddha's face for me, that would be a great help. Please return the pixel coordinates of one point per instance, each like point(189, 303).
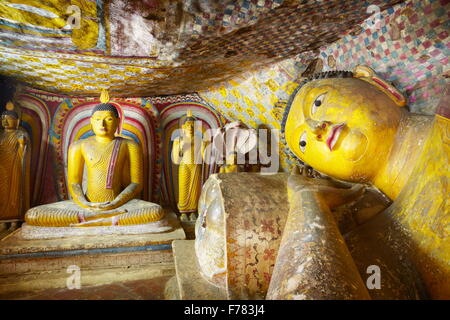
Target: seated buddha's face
point(104, 123)
point(342, 127)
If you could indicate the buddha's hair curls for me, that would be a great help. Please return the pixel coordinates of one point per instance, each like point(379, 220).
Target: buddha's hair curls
point(317, 76)
point(10, 113)
point(106, 107)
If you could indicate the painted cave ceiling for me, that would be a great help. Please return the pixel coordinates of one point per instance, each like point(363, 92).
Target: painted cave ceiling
point(162, 47)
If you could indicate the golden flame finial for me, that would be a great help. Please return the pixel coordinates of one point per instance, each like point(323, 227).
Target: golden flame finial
point(189, 113)
point(104, 96)
point(10, 106)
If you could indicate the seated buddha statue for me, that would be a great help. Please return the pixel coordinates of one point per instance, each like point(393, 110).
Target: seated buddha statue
point(14, 168)
point(114, 180)
point(276, 237)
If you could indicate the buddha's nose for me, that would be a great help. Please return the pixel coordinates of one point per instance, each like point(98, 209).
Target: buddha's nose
point(319, 128)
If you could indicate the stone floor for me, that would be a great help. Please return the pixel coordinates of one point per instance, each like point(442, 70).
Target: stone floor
point(151, 289)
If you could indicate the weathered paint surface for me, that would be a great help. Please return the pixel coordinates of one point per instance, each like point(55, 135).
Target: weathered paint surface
point(313, 261)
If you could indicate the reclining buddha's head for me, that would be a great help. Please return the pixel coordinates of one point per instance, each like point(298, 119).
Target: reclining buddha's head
point(343, 124)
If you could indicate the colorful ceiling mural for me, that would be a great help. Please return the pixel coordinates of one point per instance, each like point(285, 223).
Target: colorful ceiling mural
point(161, 47)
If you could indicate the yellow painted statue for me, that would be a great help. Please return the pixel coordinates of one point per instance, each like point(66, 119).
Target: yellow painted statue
point(14, 167)
point(354, 127)
point(114, 180)
point(188, 153)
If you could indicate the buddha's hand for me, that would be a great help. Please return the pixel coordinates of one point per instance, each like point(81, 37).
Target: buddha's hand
point(102, 206)
point(96, 206)
point(334, 193)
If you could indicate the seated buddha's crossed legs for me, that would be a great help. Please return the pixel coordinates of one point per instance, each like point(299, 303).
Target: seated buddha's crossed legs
point(69, 214)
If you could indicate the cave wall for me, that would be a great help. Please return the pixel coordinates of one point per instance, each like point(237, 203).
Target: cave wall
point(161, 47)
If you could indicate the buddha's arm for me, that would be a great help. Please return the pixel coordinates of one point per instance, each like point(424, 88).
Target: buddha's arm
point(25, 155)
point(311, 247)
point(75, 175)
point(27, 161)
point(204, 149)
point(133, 190)
point(176, 151)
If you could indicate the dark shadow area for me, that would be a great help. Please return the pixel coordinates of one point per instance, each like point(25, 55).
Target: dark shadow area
point(7, 91)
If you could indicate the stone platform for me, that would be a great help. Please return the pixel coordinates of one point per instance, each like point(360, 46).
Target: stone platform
point(27, 265)
point(190, 284)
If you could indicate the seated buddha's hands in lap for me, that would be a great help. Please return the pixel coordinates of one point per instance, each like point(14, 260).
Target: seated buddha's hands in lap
point(105, 206)
point(93, 205)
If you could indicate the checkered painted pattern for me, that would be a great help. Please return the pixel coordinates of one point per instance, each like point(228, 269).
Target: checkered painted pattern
point(415, 59)
point(239, 36)
point(286, 31)
point(229, 16)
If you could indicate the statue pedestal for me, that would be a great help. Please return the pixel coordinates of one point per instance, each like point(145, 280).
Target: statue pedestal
point(37, 264)
point(191, 284)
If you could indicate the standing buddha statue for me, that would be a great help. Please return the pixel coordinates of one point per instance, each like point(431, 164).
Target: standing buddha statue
point(14, 168)
point(188, 154)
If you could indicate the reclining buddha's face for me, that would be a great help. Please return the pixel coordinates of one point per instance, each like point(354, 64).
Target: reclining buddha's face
point(342, 127)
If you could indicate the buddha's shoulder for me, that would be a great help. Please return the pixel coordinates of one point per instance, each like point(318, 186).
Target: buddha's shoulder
point(81, 143)
point(128, 142)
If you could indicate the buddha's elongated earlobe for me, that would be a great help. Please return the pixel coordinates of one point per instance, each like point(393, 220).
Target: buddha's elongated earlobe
point(368, 75)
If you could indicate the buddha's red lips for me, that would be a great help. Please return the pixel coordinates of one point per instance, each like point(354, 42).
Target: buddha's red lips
point(334, 136)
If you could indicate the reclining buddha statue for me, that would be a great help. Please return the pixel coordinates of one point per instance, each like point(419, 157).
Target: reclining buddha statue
point(277, 237)
point(114, 180)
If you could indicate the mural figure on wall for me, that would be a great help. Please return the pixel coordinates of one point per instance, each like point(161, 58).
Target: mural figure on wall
point(15, 150)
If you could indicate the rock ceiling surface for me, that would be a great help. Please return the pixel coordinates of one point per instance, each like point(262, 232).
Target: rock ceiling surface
point(161, 47)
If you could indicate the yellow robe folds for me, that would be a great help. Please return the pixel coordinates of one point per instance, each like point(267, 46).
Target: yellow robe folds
point(14, 174)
